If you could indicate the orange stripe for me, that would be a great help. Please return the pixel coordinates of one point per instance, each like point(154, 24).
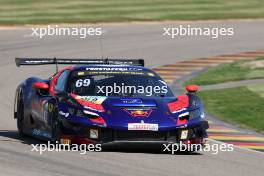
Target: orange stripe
point(217, 126)
point(213, 60)
point(169, 81)
point(227, 58)
point(179, 68)
point(169, 74)
point(236, 138)
point(180, 65)
point(170, 77)
point(254, 52)
point(245, 143)
point(221, 130)
point(178, 72)
point(250, 55)
point(204, 62)
point(233, 135)
point(239, 56)
point(252, 147)
point(184, 64)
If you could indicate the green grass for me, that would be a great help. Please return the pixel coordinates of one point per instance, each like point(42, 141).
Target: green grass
point(81, 11)
point(239, 106)
point(259, 89)
point(228, 72)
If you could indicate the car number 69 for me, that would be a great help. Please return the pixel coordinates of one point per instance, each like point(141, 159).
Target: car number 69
point(83, 82)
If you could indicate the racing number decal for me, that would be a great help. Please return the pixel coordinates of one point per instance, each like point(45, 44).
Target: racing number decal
point(82, 82)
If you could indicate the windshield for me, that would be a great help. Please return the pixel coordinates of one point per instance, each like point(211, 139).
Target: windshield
point(118, 85)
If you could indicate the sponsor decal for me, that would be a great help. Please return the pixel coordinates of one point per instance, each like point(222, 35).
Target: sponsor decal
point(131, 100)
point(80, 73)
point(65, 114)
point(113, 69)
point(143, 126)
point(38, 61)
point(94, 99)
point(135, 112)
point(115, 72)
point(91, 102)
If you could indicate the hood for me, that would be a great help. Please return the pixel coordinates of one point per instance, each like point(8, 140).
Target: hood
point(120, 112)
point(149, 110)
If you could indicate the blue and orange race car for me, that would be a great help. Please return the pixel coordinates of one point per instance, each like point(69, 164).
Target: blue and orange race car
point(106, 101)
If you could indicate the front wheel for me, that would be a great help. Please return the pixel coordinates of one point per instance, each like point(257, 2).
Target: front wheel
point(20, 116)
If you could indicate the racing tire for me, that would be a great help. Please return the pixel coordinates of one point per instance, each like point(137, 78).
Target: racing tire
point(56, 128)
point(20, 116)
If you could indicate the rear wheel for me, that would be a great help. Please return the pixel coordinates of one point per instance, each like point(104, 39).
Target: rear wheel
point(20, 116)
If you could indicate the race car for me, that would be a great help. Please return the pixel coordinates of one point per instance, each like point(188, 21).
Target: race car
point(87, 102)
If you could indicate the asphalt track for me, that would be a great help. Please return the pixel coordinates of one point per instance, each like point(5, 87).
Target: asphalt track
point(126, 40)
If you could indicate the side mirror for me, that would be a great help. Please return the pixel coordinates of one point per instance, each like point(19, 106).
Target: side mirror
point(192, 88)
point(41, 86)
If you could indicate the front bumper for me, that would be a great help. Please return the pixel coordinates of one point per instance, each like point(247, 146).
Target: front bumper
point(113, 136)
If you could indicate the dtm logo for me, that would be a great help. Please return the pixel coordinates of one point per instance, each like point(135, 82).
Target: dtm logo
point(131, 101)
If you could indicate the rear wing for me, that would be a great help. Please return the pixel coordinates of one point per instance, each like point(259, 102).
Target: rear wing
point(46, 61)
